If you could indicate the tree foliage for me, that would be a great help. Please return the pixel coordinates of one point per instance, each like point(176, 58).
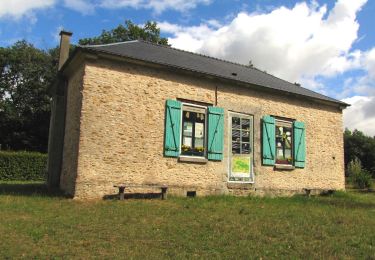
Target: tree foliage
point(149, 32)
point(358, 145)
point(359, 177)
point(26, 73)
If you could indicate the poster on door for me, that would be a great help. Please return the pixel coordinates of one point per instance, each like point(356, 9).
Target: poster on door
point(240, 166)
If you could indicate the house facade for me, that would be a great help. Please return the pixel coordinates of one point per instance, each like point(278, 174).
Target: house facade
point(140, 113)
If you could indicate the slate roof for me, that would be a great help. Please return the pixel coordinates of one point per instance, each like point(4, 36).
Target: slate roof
point(165, 55)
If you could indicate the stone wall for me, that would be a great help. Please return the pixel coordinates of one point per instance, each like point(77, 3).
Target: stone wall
point(72, 132)
point(56, 138)
point(122, 130)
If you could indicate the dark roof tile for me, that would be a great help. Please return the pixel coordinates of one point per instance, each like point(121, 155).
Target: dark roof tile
point(166, 55)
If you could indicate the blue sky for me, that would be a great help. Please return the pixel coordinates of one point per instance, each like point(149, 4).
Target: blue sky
point(327, 46)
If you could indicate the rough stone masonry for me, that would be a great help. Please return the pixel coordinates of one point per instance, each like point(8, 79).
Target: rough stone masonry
point(114, 133)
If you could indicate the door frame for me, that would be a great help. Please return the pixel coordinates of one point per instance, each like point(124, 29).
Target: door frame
point(229, 168)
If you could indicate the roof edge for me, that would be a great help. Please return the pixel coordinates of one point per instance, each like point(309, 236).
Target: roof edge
point(342, 105)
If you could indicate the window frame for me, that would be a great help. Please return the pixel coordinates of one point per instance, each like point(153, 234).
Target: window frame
point(187, 104)
point(251, 143)
point(288, 121)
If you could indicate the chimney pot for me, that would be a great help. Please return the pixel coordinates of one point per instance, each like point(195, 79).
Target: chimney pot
point(63, 32)
point(64, 47)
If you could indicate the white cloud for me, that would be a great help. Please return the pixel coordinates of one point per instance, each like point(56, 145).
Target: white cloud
point(302, 44)
point(365, 84)
point(214, 23)
point(19, 8)
point(296, 44)
point(158, 6)
point(187, 38)
point(360, 115)
point(82, 6)
point(369, 63)
point(179, 5)
point(56, 34)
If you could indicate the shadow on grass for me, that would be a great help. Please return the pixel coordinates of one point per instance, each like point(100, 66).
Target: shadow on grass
point(28, 189)
point(349, 200)
point(362, 191)
point(133, 196)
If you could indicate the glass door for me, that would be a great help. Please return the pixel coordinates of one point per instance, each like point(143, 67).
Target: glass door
point(241, 148)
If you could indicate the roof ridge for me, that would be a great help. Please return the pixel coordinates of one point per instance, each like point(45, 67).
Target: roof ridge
point(107, 44)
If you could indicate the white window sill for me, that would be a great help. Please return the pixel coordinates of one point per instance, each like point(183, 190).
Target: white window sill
point(241, 182)
point(193, 159)
point(284, 167)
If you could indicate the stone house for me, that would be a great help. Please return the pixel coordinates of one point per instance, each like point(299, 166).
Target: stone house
point(140, 113)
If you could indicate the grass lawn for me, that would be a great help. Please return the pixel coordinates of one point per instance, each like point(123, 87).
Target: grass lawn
point(34, 225)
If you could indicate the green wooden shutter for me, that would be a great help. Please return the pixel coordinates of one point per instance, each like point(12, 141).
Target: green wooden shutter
point(172, 128)
point(299, 144)
point(268, 140)
point(215, 133)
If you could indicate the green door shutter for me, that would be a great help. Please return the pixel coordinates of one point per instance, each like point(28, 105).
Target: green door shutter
point(172, 128)
point(215, 133)
point(268, 140)
point(299, 144)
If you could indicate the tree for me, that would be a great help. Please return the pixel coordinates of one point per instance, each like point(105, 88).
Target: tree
point(357, 145)
point(26, 73)
point(359, 177)
point(149, 32)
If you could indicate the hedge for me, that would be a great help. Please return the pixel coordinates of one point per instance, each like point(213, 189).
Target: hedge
point(23, 166)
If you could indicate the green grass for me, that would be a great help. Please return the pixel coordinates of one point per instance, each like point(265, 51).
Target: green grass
point(34, 225)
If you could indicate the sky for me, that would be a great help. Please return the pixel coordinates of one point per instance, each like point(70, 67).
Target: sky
point(326, 46)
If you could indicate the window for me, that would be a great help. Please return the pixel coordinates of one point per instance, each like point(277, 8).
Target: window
point(193, 130)
point(241, 148)
point(284, 142)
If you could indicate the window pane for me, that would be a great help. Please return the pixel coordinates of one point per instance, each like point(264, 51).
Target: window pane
point(200, 117)
point(245, 124)
point(245, 148)
point(280, 153)
point(235, 123)
point(236, 139)
point(199, 142)
point(288, 153)
point(199, 130)
point(279, 130)
point(188, 129)
point(245, 136)
point(187, 141)
point(236, 147)
point(236, 133)
point(288, 142)
point(187, 116)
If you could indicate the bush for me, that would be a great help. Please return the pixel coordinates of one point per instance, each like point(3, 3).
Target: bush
point(361, 180)
point(359, 177)
point(30, 166)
